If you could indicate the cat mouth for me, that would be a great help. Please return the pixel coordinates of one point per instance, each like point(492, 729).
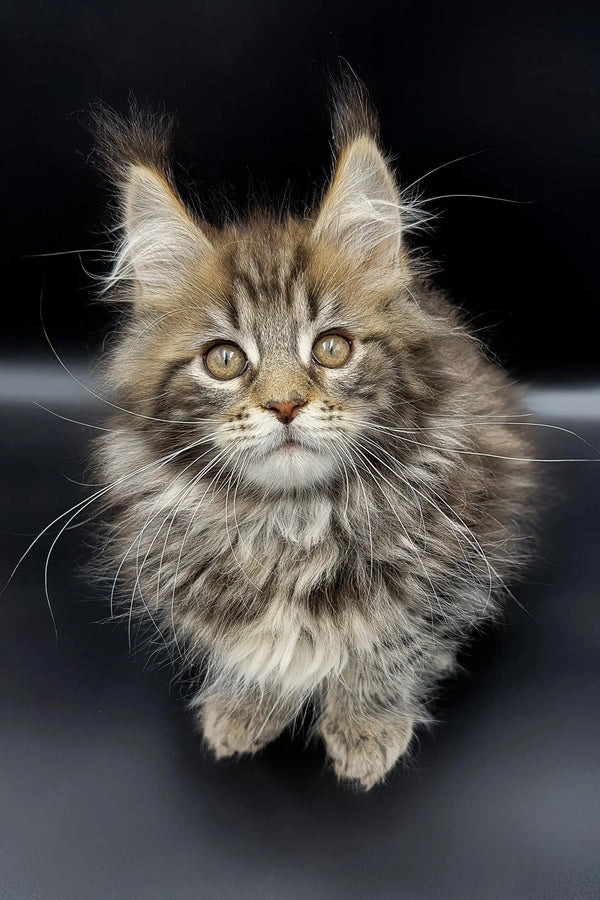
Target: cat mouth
point(290, 444)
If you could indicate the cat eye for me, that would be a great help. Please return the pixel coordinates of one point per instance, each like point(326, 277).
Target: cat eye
point(331, 350)
point(225, 361)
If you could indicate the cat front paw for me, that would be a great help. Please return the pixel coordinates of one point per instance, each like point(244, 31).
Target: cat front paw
point(364, 752)
point(231, 728)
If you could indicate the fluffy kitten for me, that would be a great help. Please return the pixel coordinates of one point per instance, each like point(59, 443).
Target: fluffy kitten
point(317, 485)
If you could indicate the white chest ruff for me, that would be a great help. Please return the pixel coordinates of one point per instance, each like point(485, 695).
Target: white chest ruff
point(279, 648)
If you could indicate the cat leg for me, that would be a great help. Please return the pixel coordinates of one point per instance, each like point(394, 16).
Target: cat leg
point(244, 723)
point(365, 724)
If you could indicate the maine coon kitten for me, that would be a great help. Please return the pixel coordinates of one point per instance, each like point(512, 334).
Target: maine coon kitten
point(317, 480)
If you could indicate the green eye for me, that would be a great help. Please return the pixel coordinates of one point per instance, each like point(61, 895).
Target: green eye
point(331, 350)
point(225, 361)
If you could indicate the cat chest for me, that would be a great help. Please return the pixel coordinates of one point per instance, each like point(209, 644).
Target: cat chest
point(287, 559)
point(275, 568)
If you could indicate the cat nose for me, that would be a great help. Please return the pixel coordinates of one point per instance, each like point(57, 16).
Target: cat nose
point(285, 410)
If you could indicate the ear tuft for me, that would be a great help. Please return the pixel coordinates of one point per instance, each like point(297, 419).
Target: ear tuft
point(142, 138)
point(352, 113)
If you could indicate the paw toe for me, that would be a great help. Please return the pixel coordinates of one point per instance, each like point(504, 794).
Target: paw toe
point(363, 757)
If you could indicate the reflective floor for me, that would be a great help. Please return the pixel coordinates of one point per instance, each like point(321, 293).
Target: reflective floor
point(105, 791)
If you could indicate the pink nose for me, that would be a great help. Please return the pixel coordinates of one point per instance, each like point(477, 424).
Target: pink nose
point(285, 410)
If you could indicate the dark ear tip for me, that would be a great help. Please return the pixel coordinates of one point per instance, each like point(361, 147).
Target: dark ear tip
point(352, 113)
point(143, 137)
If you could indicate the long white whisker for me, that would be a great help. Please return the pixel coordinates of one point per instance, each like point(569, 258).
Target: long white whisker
point(375, 475)
point(73, 421)
point(98, 396)
point(139, 569)
point(153, 515)
point(233, 553)
point(243, 467)
point(343, 450)
point(78, 507)
point(401, 433)
point(450, 162)
point(187, 531)
point(469, 533)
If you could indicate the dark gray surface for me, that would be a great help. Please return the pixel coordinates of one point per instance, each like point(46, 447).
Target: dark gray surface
point(105, 791)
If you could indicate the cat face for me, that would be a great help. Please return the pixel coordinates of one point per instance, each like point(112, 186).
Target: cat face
point(273, 343)
point(281, 382)
point(285, 371)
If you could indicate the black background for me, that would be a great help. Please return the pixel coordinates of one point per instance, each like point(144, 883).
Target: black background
point(514, 82)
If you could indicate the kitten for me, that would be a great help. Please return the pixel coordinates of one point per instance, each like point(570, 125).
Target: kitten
point(317, 479)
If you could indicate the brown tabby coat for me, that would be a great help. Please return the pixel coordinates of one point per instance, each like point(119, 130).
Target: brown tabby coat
point(340, 555)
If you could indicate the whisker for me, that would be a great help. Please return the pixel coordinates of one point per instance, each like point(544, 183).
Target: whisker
point(476, 197)
point(150, 519)
point(73, 421)
point(450, 162)
point(76, 509)
point(402, 432)
point(470, 536)
point(243, 466)
point(187, 531)
point(375, 475)
point(368, 515)
point(182, 496)
point(98, 250)
point(102, 399)
point(233, 553)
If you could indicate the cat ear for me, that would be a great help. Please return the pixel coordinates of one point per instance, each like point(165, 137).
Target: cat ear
point(361, 211)
point(161, 242)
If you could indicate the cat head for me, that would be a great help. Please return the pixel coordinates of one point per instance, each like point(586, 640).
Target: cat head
point(273, 342)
